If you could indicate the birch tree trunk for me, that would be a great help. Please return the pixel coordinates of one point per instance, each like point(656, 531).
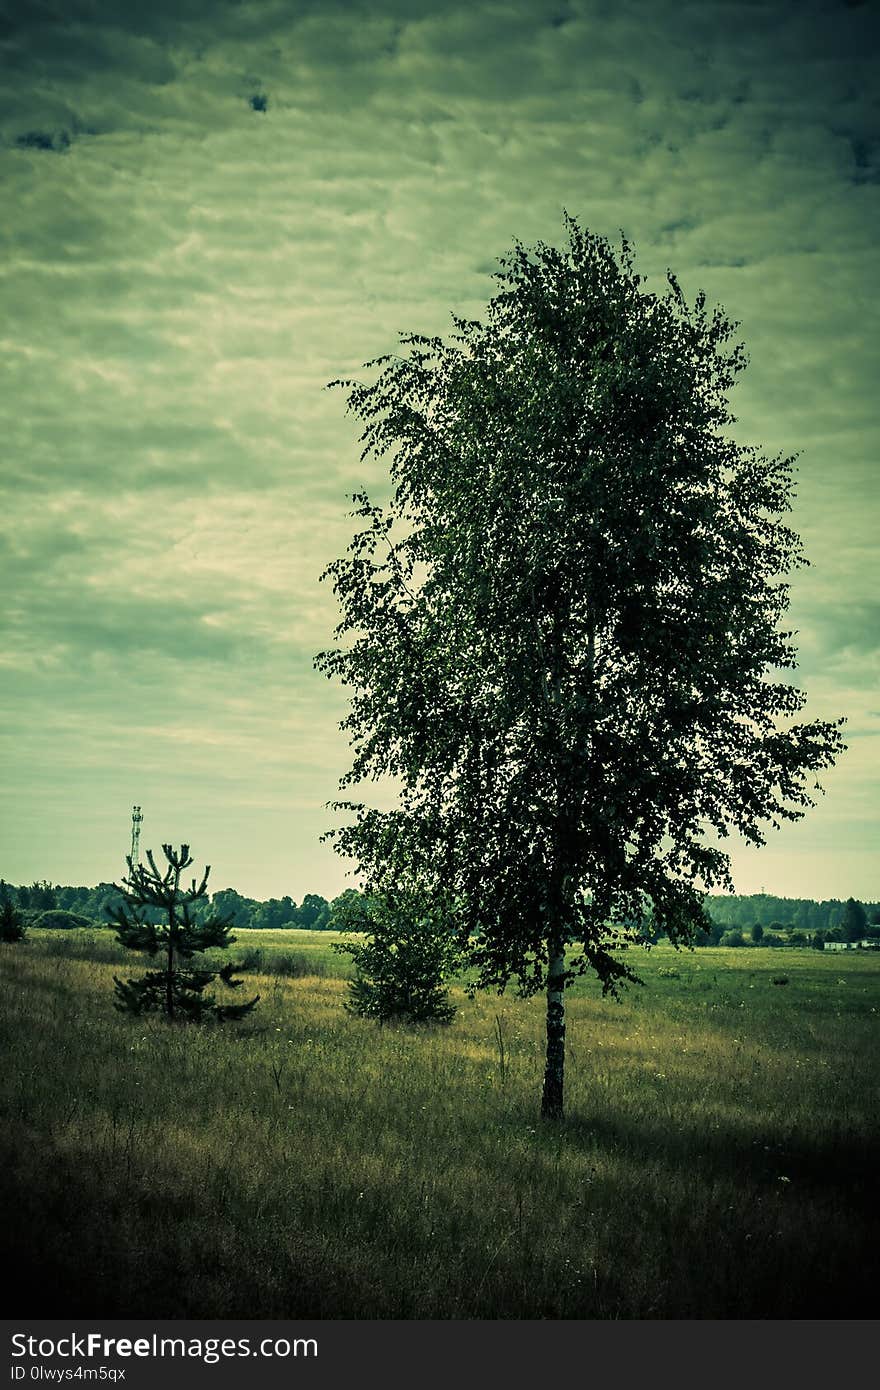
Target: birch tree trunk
point(554, 1072)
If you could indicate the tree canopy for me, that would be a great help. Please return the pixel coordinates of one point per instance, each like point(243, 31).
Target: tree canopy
point(562, 635)
point(854, 920)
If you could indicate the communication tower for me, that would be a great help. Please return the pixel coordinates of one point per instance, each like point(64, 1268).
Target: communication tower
point(136, 818)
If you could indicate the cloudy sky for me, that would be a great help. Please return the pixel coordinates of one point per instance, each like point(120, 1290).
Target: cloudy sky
point(182, 273)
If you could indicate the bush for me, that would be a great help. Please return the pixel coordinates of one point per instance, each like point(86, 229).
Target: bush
point(56, 919)
point(733, 938)
point(402, 966)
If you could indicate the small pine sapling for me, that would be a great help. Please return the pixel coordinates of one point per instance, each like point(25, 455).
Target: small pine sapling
point(403, 960)
point(155, 917)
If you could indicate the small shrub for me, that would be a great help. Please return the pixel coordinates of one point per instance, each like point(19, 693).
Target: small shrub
point(668, 973)
point(12, 927)
point(733, 938)
point(402, 966)
point(56, 919)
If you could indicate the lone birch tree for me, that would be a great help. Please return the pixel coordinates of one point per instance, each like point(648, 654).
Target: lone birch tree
point(562, 634)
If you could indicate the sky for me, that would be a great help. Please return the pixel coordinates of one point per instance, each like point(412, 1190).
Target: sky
point(211, 209)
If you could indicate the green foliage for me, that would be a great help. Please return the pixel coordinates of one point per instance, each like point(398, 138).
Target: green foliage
point(562, 634)
point(806, 914)
point(733, 938)
point(58, 920)
point(730, 910)
point(12, 927)
point(272, 915)
point(402, 966)
point(757, 933)
point(232, 907)
point(41, 896)
point(177, 989)
point(314, 912)
point(349, 911)
point(96, 904)
point(713, 934)
point(854, 920)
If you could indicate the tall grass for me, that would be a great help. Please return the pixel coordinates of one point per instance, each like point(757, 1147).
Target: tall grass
point(719, 1158)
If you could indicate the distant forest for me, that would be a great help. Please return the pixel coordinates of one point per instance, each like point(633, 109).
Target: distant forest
point(790, 920)
point(314, 912)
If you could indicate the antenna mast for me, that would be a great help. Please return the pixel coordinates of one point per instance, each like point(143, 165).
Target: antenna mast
point(136, 818)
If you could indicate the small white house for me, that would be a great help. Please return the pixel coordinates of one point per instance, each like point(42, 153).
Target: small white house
point(867, 945)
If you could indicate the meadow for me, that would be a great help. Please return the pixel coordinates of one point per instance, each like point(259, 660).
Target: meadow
point(719, 1158)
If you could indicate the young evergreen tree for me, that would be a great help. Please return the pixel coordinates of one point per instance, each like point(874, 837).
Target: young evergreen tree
point(156, 917)
point(562, 636)
point(404, 959)
point(12, 927)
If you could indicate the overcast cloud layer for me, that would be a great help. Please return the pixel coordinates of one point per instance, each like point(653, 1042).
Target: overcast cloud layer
point(183, 270)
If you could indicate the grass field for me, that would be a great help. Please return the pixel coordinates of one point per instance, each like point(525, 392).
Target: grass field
point(720, 1157)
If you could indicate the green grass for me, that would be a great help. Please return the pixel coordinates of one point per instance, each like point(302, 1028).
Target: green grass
point(719, 1158)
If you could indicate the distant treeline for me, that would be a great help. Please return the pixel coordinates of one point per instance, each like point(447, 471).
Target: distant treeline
point(315, 913)
point(91, 904)
point(792, 914)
